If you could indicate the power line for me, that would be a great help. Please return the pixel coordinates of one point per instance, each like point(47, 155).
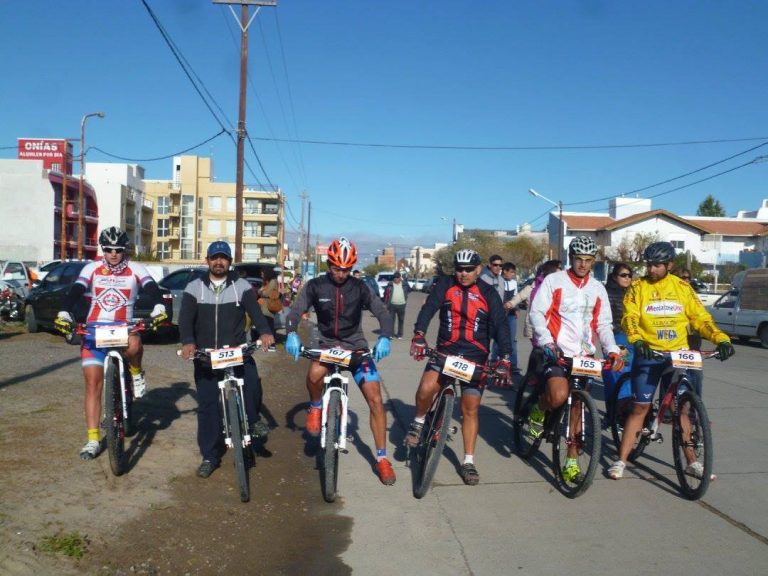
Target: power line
point(159, 157)
point(668, 180)
point(502, 148)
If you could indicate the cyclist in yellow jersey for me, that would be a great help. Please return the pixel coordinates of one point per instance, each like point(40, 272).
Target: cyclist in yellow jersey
point(657, 311)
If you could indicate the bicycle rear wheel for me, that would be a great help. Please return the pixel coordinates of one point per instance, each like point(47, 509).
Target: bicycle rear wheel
point(692, 446)
point(579, 432)
point(331, 455)
point(618, 411)
point(526, 444)
point(236, 432)
point(114, 425)
point(432, 441)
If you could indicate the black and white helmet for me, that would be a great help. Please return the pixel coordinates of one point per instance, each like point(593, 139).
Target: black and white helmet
point(113, 237)
point(466, 258)
point(582, 245)
point(659, 253)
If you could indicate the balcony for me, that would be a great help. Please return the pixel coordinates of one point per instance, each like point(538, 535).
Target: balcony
point(147, 205)
point(174, 188)
point(174, 212)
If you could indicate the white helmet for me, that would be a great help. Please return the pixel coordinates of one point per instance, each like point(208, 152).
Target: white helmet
point(582, 245)
point(466, 257)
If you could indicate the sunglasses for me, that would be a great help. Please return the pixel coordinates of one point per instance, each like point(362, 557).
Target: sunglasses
point(625, 275)
point(495, 263)
point(112, 250)
point(685, 277)
point(465, 268)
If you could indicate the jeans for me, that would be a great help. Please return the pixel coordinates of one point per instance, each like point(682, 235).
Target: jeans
point(494, 356)
point(210, 436)
point(398, 313)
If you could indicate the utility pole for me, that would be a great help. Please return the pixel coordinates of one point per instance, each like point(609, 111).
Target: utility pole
point(309, 227)
point(302, 239)
point(244, 23)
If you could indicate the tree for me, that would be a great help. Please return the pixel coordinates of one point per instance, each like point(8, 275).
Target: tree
point(631, 248)
point(525, 252)
point(710, 207)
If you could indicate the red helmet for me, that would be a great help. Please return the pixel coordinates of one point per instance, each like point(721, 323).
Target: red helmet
point(342, 253)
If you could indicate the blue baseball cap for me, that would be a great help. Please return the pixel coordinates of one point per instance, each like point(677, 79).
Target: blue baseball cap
point(219, 247)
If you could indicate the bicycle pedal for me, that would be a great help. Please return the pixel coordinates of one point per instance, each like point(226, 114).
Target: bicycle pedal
point(343, 450)
point(658, 438)
point(453, 430)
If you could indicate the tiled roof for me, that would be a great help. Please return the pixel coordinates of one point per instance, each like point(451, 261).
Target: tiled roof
point(731, 227)
point(652, 214)
point(589, 222)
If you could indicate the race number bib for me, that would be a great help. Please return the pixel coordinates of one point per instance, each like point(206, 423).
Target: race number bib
point(587, 366)
point(226, 357)
point(688, 359)
point(111, 336)
point(336, 356)
point(459, 367)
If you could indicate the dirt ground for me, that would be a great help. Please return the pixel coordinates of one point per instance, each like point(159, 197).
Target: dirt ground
point(158, 518)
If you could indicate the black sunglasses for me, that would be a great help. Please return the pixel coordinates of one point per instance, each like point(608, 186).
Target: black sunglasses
point(465, 268)
point(495, 263)
point(625, 275)
point(685, 277)
point(112, 250)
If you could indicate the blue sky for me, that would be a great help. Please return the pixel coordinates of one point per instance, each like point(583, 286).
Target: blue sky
point(454, 74)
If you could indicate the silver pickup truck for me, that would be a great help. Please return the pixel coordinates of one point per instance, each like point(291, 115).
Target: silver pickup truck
point(743, 311)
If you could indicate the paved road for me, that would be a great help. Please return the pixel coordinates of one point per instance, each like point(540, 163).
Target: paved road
point(515, 521)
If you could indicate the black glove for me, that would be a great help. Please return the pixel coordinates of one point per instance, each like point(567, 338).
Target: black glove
point(725, 350)
point(642, 349)
point(418, 346)
point(502, 373)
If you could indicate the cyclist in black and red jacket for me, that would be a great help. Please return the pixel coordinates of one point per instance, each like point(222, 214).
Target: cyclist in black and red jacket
point(471, 315)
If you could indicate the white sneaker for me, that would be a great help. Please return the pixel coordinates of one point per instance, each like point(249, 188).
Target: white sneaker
point(616, 470)
point(695, 469)
point(90, 450)
point(139, 384)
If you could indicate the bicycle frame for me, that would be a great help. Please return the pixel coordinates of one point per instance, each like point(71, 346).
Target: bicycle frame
point(228, 380)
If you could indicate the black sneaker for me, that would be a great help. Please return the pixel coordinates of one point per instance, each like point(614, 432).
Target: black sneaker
point(413, 437)
point(260, 430)
point(206, 468)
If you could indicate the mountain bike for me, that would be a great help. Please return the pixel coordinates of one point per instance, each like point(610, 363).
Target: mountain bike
point(573, 429)
point(333, 430)
point(237, 432)
point(425, 457)
point(117, 393)
point(691, 432)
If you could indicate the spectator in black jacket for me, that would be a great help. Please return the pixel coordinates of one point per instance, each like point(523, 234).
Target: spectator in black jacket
point(395, 297)
point(616, 286)
point(212, 315)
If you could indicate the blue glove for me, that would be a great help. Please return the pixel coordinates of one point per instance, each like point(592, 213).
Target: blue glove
point(293, 345)
point(381, 350)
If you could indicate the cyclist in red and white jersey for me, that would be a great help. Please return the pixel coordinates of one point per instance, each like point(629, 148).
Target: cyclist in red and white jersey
point(569, 308)
point(114, 284)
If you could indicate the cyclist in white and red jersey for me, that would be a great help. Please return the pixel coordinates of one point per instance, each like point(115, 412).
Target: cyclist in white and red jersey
point(569, 308)
point(114, 284)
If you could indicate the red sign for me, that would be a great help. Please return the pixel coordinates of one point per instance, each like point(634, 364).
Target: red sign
point(321, 250)
point(50, 150)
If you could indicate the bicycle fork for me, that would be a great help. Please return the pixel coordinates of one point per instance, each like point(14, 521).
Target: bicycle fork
point(235, 385)
point(121, 370)
point(335, 382)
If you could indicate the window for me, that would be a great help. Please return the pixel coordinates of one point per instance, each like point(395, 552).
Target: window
point(163, 251)
point(214, 203)
point(214, 227)
point(269, 251)
point(270, 230)
point(163, 205)
point(251, 252)
point(250, 229)
point(250, 206)
point(678, 244)
point(270, 208)
point(162, 227)
point(231, 228)
point(231, 206)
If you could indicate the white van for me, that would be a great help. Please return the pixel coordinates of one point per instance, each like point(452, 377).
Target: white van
point(743, 311)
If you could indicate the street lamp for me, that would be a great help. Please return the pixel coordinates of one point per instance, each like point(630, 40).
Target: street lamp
point(453, 227)
point(559, 205)
point(80, 192)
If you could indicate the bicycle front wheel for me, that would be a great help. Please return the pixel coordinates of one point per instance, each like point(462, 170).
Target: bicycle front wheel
point(236, 432)
point(432, 441)
point(576, 446)
point(692, 446)
point(331, 455)
point(114, 425)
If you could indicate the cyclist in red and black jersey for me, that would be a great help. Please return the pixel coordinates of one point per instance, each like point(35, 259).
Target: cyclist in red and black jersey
point(471, 314)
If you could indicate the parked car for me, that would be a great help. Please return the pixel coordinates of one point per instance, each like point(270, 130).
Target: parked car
point(417, 284)
point(428, 285)
point(45, 268)
point(175, 283)
point(373, 286)
point(45, 300)
point(743, 311)
point(20, 272)
point(251, 271)
point(382, 279)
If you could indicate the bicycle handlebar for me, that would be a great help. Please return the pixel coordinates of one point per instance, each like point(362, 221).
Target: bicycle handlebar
point(315, 353)
point(705, 354)
point(205, 353)
point(134, 326)
point(435, 354)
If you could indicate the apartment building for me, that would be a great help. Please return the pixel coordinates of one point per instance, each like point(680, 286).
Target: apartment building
point(192, 210)
point(122, 202)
